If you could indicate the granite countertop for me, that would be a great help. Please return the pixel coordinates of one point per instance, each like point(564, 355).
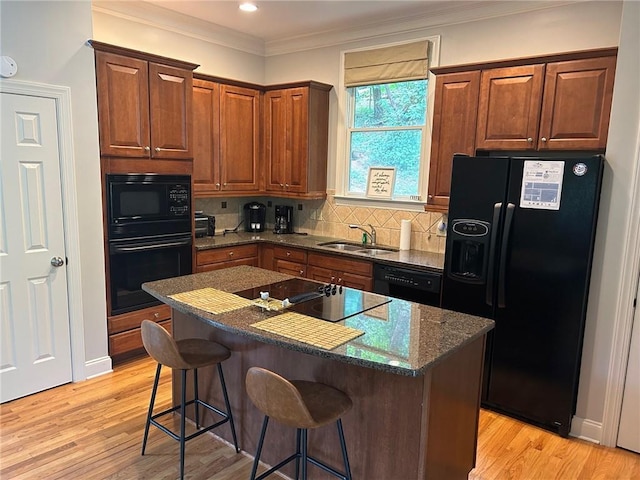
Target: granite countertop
point(400, 337)
point(407, 258)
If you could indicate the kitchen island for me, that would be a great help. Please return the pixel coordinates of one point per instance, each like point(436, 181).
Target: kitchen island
point(414, 376)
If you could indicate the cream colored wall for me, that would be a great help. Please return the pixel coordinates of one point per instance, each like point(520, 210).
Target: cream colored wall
point(614, 222)
point(47, 40)
point(213, 59)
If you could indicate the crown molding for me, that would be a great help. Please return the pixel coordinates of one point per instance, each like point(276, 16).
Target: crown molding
point(449, 13)
point(149, 14)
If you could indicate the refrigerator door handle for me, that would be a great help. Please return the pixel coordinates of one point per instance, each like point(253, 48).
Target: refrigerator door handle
point(492, 253)
point(502, 271)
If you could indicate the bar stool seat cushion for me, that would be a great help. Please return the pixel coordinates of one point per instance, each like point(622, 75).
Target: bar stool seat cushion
point(296, 403)
point(198, 352)
point(182, 354)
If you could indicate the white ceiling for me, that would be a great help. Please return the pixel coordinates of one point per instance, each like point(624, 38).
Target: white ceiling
point(278, 20)
point(280, 27)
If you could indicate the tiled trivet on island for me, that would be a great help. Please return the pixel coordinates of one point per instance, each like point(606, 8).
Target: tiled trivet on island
point(212, 300)
point(308, 330)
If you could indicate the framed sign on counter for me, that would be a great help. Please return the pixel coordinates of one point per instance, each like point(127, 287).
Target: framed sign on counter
point(380, 182)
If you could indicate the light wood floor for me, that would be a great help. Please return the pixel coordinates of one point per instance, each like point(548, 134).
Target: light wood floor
point(93, 430)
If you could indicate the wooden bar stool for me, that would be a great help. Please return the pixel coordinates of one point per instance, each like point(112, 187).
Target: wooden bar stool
point(302, 405)
point(183, 355)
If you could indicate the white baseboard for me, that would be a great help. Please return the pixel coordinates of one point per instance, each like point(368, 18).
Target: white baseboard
point(586, 429)
point(97, 367)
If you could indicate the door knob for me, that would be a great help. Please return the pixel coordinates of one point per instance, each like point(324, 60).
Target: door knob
point(57, 261)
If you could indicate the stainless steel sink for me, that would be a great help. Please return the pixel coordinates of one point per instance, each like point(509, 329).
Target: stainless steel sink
point(348, 247)
point(375, 251)
point(358, 248)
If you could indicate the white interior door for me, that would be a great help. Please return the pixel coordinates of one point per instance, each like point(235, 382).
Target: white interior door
point(35, 351)
point(629, 431)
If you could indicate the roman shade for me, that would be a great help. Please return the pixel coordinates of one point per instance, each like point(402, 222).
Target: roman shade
point(397, 63)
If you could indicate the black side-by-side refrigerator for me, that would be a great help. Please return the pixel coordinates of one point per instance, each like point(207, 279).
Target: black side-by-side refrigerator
point(519, 250)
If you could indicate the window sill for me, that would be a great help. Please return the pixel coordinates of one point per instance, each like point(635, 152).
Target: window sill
point(410, 205)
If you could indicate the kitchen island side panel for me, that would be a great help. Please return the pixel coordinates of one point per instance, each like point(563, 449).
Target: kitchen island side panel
point(400, 426)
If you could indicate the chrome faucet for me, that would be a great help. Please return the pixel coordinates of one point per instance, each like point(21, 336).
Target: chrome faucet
point(371, 234)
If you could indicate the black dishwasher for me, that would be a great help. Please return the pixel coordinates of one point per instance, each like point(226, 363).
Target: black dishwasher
point(419, 286)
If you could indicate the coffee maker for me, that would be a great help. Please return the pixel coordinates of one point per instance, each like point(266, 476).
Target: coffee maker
point(254, 217)
point(284, 219)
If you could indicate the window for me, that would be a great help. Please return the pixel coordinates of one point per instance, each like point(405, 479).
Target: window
point(386, 118)
point(386, 128)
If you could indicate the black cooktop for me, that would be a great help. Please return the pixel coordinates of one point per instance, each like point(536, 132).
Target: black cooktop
point(328, 302)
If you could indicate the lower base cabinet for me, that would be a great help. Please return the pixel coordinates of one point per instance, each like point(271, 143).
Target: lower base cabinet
point(125, 339)
point(292, 261)
point(217, 258)
point(337, 269)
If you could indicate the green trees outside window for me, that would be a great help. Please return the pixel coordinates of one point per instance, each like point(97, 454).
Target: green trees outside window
point(386, 129)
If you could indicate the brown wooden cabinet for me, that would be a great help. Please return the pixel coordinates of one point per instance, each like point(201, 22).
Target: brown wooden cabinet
point(509, 108)
point(125, 338)
point(554, 106)
point(553, 102)
point(296, 122)
point(341, 270)
point(292, 261)
point(454, 126)
point(144, 107)
point(226, 124)
point(239, 138)
point(576, 104)
point(217, 258)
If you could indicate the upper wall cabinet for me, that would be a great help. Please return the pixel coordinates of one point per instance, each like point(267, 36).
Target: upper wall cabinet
point(144, 106)
point(557, 102)
point(576, 104)
point(454, 127)
point(226, 127)
point(553, 106)
point(509, 108)
point(239, 138)
point(295, 123)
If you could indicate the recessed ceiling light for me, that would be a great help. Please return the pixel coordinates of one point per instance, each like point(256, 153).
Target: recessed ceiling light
point(248, 7)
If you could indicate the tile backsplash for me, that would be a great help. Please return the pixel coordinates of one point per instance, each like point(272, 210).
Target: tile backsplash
point(326, 218)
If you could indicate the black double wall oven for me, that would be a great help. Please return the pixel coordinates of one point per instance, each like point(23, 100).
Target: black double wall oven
point(149, 235)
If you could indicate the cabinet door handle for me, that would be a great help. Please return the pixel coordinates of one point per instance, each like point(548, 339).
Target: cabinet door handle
point(147, 148)
point(530, 140)
point(281, 185)
point(217, 185)
point(231, 254)
point(288, 254)
point(544, 139)
point(301, 272)
point(156, 315)
point(286, 185)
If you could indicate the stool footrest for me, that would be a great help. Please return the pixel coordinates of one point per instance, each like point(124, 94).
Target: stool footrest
point(195, 434)
point(316, 462)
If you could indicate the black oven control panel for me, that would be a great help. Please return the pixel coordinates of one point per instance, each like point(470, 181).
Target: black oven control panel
point(178, 200)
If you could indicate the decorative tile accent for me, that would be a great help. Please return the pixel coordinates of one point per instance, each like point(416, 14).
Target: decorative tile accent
point(326, 218)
